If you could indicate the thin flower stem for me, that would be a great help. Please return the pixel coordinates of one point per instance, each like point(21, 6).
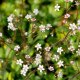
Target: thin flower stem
point(74, 76)
point(10, 49)
point(61, 39)
point(30, 74)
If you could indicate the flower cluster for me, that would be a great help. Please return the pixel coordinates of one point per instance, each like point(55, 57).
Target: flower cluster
point(44, 52)
point(38, 59)
point(10, 24)
point(24, 70)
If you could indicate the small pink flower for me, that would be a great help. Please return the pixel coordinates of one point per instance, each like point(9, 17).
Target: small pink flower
point(38, 56)
point(42, 28)
point(73, 26)
point(8, 40)
point(33, 19)
point(64, 21)
point(71, 62)
point(51, 68)
point(41, 68)
point(34, 26)
point(16, 20)
point(66, 0)
point(28, 16)
point(48, 26)
point(71, 48)
point(27, 47)
point(36, 11)
point(47, 48)
point(27, 56)
point(28, 62)
point(17, 47)
point(67, 15)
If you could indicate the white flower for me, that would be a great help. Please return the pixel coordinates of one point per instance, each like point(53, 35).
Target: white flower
point(19, 62)
point(0, 34)
point(51, 68)
point(71, 0)
point(73, 26)
point(57, 7)
point(59, 50)
point(28, 16)
point(60, 63)
point(48, 26)
point(78, 52)
point(25, 68)
point(38, 56)
point(64, 21)
point(38, 46)
point(71, 48)
point(23, 72)
point(56, 57)
point(35, 11)
point(37, 61)
point(10, 18)
point(66, 15)
point(42, 28)
point(13, 28)
point(78, 22)
point(27, 56)
point(17, 47)
point(10, 25)
point(26, 33)
point(40, 68)
point(47, 48)
point(60, 73)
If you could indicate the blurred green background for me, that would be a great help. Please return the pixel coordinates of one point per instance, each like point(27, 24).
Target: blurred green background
point(47, 14)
